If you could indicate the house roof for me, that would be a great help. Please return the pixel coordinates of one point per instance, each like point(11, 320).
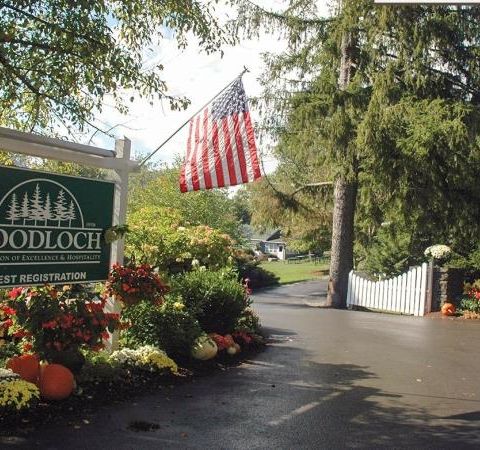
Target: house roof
point(268, 236)
point(276, 241)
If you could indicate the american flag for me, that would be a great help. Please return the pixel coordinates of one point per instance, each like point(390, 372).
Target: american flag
point(221, 148)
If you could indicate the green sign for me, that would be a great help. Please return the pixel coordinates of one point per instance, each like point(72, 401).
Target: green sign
point(52, 227)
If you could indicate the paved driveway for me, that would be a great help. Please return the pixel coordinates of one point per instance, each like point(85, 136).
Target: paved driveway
point(331, 379)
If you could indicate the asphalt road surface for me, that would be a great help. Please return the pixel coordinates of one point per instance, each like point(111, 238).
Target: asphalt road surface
point(330, 379)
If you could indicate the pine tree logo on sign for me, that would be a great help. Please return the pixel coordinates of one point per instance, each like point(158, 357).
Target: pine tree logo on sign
point(27, 204)
point(51, 228)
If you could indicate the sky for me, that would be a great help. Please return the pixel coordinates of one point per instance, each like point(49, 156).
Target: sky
point(197, 76)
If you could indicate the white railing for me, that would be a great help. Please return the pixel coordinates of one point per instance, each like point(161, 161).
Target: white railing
point(404, 294)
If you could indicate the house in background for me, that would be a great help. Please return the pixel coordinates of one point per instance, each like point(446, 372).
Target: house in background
point(270, 243)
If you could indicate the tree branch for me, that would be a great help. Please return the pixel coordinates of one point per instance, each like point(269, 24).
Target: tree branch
point(305, 186)
point(283, 16)
point(49, 24)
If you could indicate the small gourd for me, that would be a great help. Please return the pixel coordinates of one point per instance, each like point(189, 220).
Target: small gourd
point(229, 340)
point(204, 348)
point(448, 309)
point(56, 382)
point(232, 350)
point(27, 366)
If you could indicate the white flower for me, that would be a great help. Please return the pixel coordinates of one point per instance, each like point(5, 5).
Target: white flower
point(195, 262)
point(7, 373)
point(125, 356)
point(438, 251)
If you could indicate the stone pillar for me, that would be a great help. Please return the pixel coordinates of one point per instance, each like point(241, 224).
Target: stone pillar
point(447, 285)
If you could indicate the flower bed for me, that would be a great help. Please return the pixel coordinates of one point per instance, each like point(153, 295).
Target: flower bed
point(163, 337)
point(469, 304)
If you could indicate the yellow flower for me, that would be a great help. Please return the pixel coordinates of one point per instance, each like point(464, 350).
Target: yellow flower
point(17, 394)
point(178, 306)
point(156, 358)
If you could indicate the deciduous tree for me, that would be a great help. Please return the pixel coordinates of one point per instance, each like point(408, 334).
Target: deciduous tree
point(59, 59)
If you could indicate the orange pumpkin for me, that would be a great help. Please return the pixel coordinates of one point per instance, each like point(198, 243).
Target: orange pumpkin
point(27, 366)
point(448, 309)
point(56, 382)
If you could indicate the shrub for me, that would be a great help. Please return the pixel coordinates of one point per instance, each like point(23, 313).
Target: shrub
point(216, 298)
point(249, 268)
point(248, 322)
point(159, 237)
point(470, 303)
point(170, 327)
point(48, 320)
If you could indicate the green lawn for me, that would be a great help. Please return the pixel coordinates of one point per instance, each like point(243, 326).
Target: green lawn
point(293, 272)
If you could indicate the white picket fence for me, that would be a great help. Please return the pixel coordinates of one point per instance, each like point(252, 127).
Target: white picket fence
point(405, 294)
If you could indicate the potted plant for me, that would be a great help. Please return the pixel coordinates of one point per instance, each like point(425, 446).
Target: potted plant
point(133, 283)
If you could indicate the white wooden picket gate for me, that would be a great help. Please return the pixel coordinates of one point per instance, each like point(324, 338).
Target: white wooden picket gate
point(405, 294)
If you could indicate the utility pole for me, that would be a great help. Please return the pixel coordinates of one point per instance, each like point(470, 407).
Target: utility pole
point(344, 196)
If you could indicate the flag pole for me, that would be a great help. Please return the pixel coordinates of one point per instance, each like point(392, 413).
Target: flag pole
point(144, 160)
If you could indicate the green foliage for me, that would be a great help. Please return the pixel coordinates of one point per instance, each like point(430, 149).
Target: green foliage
point(170, 327)
point(249, 268)
point(216, 298)
point(248, 322)
point(160, 189)
point(68, 168)
point(242, 205)
point(405, 127)
point(58, 62)
point(7, 350)
point(470, 303)
point(157, 237)
point(390, 253)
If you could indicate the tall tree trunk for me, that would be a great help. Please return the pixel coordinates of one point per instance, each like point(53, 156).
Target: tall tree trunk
point(344, 195)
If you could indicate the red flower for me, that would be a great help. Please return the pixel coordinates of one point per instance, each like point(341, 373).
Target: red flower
point(20, 334)
point(50, 325)
point(105, 335)
point(8, 311)
point(15, 292)
point(27, 347)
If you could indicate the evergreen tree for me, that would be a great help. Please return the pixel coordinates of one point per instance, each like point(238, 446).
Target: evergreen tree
point(37, 212)
point(70, 215)
point(388, 99)
point(48, 214)
point(25, 210)
point(13, 212)
point(59, 208)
